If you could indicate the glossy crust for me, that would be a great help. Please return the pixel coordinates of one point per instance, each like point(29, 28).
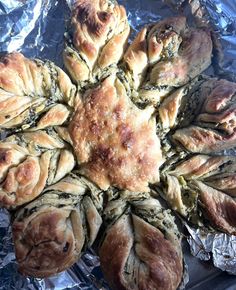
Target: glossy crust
point(99, 36)
point(115, 142)
point(29, 88)
point(50, 233)
point(136, 255)
point(29, 162)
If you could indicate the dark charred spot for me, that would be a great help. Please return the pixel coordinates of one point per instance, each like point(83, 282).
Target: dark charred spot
point(3, 156)
point(103, 153)
point(83, 12)
point(5, 61)
point(64, 195)
point(103, 16)
point(32, 210)
point(143, 46)
point(169, 27)
point(66, 247)
point(7, 116)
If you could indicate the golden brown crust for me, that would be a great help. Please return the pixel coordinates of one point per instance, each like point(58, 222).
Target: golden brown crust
point(118, 241)
point(8, 158)
point(200, 166)
point(151, 45)
point(226, 184)
point(30, 161)
point(165, 265)
point(77, 69)
point(136, 57)
point(213, 123)
point(194, 57)
point(169, 109)
point(143, 247)
point(115, 142)
point(44, 244)
point(57, 115)
point(26, 180)
point(116, 145)
point(165, 38)
point(21, 77)
point(200, 140)
point(155, 38)
point(165, 56)
point(22, 183)
point(29, 88)
point(219, 93)
point(219, 108)
point(218, 207)
point(50, 232)
point(209, 180)
point(100, 31)
point(15, 75)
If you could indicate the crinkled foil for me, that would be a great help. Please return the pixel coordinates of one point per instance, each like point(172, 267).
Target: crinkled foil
point(218, 246)
point(36, 28)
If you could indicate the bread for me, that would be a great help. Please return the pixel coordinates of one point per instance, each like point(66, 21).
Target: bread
point(96, 40)
point(31, 89)
point(204, 184)
point(29, 162)
point(114, 141)
point(164, 56)
point(135, 254)
point(213, 125)
point(51, 232)
point(137, 118)
point(218, 207)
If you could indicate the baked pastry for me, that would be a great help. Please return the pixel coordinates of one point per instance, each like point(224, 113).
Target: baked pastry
point(30, 91)
point(51, 232)
point(133, 119)
point(164, 56)
point(96, 39)
point(142, 246)
point(212, 126)
point(30, 161)
point(114, 141)
point(203, 185)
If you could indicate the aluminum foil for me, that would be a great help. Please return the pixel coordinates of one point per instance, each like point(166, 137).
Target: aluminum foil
point(218, 246)
point(36, 28)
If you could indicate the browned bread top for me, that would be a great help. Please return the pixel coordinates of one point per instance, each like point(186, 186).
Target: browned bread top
point(97, 39)
point(115, 142)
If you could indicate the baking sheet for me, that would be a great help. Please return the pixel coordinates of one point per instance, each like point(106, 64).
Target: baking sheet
point(36, 28)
